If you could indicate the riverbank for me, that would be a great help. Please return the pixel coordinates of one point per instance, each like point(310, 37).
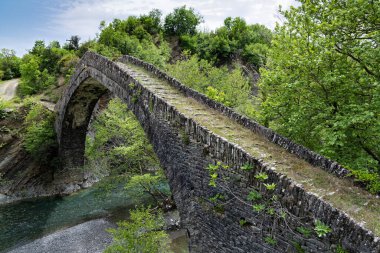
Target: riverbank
point(90, 236)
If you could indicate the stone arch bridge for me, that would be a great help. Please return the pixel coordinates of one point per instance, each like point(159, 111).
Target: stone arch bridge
point(275, 211)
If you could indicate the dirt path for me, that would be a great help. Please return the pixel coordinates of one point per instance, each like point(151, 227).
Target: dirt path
point(8, 89)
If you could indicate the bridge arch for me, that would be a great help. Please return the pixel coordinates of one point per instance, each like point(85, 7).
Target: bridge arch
point(87, 86)
point(185, 148)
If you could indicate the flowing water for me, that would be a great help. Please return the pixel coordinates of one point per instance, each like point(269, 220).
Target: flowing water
point(27, 220)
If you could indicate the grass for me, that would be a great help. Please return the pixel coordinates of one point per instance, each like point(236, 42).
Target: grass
point(341, 193)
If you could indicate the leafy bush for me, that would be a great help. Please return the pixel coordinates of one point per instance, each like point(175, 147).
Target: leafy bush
point(182, 21)
point(120, 140)
point(236, 39)
point(32, 79)
point(153, 184)
point(4, 105)
point(9, 64)
point(143, 234)
point(39, 137)
point(137, 36)
point(228, 87)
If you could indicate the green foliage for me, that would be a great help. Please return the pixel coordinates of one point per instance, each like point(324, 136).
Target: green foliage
point(321, 86)
point(42, 65)
point(137, 36)
point(4, 105)
point(246, 167)
point(242, 222)
point(262, 176)
point(94, 46)
point(340, 249)
point(270, 240)
point(39, 137)
point(254, 195)
point(304, 231)
point(213, 172)
point(298, 247)
point(236, 39)
point(270, 187)
point(120, 141)
point(217, 197)
point(143, 233)
point(182, 21)
point(9, 64)
point(228, 87)
point(321, 229)
point(258, 207)
point(73, 43)
point(32, 79)
point(151, 184)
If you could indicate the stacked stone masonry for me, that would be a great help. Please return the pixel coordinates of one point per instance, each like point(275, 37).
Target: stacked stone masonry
point(185, 162)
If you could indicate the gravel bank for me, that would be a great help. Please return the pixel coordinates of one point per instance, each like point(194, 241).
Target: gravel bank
point(88, 237)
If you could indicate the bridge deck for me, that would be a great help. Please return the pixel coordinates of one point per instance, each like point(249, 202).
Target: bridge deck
point(356, 202)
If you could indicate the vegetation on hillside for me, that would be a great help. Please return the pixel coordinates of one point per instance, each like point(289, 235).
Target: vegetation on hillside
point(41, 67)
point(321, 86)
point(9, 64)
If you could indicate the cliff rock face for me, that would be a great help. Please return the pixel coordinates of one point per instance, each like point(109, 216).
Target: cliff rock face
point(21, 175)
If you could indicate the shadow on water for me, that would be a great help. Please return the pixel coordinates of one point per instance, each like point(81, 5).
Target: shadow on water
point(27, 220)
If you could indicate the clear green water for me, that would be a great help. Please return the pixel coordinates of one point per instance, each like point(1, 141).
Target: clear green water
point(26, 220)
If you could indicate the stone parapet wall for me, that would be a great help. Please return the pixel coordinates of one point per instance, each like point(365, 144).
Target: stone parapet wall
point(299, 150)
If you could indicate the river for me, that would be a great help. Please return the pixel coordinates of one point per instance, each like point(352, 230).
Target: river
point(25, 221)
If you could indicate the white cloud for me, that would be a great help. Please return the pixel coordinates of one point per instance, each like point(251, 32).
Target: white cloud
point(82, 17)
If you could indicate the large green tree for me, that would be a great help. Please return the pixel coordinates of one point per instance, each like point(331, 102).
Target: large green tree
point(9, 64)
point(321, 86)
point(182, 21)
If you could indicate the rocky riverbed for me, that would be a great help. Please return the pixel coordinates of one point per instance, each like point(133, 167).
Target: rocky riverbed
point(90, 236)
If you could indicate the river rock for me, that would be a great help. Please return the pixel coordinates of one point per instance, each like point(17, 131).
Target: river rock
point(90, 236)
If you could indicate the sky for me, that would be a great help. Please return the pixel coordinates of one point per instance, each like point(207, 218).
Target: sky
point(22, 22)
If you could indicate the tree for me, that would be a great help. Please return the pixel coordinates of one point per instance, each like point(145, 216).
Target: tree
point(38, 48)
point(321, 86)
point(151, 184)
point(120, 140)
point(235, 40)
point(73, 43)
point(182, 21)
point(33, 80)
point(9, 64)
point(143, 233)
